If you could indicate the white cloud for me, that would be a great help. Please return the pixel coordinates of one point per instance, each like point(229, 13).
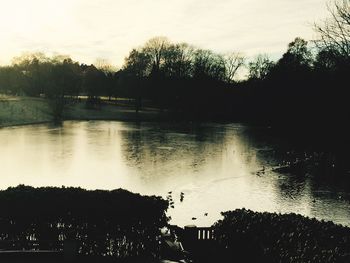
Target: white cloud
point(88, 29)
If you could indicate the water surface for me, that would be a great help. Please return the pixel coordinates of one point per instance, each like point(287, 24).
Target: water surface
point(202, 168)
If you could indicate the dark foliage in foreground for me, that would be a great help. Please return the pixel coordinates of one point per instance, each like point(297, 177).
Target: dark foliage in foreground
point(103, 223)
point(270, 237)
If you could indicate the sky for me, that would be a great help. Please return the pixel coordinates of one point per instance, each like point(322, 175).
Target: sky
point(108, 29)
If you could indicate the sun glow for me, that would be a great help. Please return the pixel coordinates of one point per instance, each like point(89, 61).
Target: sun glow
point(109, 29)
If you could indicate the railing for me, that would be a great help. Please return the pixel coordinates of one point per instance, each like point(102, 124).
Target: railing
point(205, 233)
point(197, 236)
point(200, 243)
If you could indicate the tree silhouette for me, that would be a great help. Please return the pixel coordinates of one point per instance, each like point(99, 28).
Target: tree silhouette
point(298, 55)
point(233, 62)
point(155, 49)
point(260, 67)
point(178, 59)
point(334, 32)
point(207, 64)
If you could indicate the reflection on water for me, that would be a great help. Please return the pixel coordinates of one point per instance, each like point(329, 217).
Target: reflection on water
point(201, 169)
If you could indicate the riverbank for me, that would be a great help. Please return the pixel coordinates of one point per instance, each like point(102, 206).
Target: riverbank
point(16, 110)
point(79, 111)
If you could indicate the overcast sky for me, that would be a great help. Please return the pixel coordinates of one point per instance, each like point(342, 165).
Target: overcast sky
point(109, 29)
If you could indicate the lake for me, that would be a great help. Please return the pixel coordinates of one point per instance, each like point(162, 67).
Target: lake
point(202, 169)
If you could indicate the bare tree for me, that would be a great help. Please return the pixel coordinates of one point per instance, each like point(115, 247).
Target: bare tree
point(28, 57)
point(260, 67)
point(104, 65)
point(233, 61)
point(179, 60)
point(156, 47)
point(210, 64)
point(334, 32)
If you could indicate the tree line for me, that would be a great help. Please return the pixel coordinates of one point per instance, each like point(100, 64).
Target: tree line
point(307, 84)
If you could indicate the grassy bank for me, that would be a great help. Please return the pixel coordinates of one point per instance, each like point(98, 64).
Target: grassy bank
point(79, 111)
point(23, 110)
point(30, 110)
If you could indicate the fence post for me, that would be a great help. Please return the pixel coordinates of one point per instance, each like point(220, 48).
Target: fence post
point(190, 236)
point(70, 250)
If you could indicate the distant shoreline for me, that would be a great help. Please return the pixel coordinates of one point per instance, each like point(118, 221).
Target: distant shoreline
point(21, 111)
point(23, 124)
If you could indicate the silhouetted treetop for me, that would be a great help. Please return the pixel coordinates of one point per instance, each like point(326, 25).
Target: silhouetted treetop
point(260, 67)
point(298, 55)
point(334, 32)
